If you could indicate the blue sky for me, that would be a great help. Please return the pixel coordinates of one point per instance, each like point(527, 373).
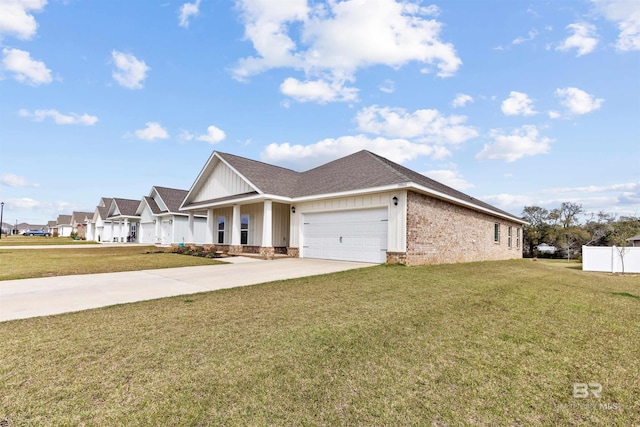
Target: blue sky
point(513, 102)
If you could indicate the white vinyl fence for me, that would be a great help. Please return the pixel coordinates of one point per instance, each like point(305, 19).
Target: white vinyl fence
point(609, 259)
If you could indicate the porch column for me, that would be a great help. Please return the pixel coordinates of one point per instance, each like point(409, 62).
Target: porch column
point(190, 232)
point(210, 224)
point(266, 248)
point(113, 231)
point(125, 230)
point(236, 247)
point(157, 223)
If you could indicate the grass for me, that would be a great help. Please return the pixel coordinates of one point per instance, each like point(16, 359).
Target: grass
point(26, 263)
point(494, 343)
point(19, 240)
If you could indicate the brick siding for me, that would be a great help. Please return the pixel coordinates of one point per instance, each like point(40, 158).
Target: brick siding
point(440, 232)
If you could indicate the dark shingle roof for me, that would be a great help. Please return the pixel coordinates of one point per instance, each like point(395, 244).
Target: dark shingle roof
point(64, 220)
point(171, 197)
point(153, 205)
point(127, 207)
point(357, 171)
point(80, 217)
point(268, 178)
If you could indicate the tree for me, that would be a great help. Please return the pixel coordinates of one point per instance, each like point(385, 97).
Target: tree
point(536, 230)
point(623, 229)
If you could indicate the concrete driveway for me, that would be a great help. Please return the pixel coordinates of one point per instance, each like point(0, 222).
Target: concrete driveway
point(26, 298)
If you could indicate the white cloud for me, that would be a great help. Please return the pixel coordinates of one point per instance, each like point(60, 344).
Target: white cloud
point(213, 135)
point(130, 72)
point(388, 86)
point(524, 141)
point(12, 180)
point(518, 103)
point(26, 70)
point(331, 41)
point(426, 125)
point(59, 118)
point(627, 186)
point(152, 131)
point(530, 36)
point(554, 114)
point(307, 156)
point(318, 91)
point(626, 14)
point(621, 199)
point(452, 178)
point(187, 10)
point(461, 100)
point(16, 18)
point(584, 38)
point(578, 101)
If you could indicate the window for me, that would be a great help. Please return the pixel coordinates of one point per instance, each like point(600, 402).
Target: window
point(244, 230)
point(509, 236)
point(496, 232)
point(517, 238)
point(221, 230)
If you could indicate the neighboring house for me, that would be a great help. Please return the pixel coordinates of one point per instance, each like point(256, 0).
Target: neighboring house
point(63, 224)
point(124, 221)
point(362, 207)
point(161, 221)
point(79, 223)
point(634, 241)
point(98, 226)
point(52, 226)
point(546, 249)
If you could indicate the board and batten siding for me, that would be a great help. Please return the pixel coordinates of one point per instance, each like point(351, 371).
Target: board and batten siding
point(223, 182)
point(396, 237)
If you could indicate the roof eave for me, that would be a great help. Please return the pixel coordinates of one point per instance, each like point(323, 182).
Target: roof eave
point(460, 202)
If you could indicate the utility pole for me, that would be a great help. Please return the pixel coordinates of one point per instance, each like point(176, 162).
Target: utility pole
point(1, 216)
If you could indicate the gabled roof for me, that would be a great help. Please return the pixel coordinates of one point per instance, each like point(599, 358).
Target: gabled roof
point(150, 201)
point(267, 178)
point(359, 171)
point(64, 220)
point(51, 224)
point(80, 217)
point(171, 197)
point(125, 207)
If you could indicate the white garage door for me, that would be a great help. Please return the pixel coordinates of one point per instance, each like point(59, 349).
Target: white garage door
point(359, 235)
point(148, 233)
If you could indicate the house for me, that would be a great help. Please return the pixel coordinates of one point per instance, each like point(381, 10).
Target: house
point(52, 226)
point(79, 223)
point(98, 226)
point(546, 249)
point(361, 207)
point(161, 221)
point(63, 225)
point(634, 241)
point(124, 221)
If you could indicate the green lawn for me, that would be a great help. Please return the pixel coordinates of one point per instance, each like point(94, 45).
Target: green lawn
point(19, 240)
point(25, 263)
point(494, 343)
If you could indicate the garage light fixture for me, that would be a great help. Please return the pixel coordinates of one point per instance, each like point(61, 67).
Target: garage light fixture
point(395, 201)
point(293, 209)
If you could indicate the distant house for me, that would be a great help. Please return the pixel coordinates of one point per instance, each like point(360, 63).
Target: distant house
point(63, 225)
point(79, 223)
point(123, 220)
point(98, 226)
point(546, 249)
point(161, 221)
point(52, 226)
point(361, 207)
point(634, 241)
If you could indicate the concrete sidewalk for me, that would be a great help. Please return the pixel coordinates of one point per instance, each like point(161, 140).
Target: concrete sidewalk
point(26, 298)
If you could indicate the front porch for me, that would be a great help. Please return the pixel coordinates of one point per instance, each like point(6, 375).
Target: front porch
point(252, 229)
